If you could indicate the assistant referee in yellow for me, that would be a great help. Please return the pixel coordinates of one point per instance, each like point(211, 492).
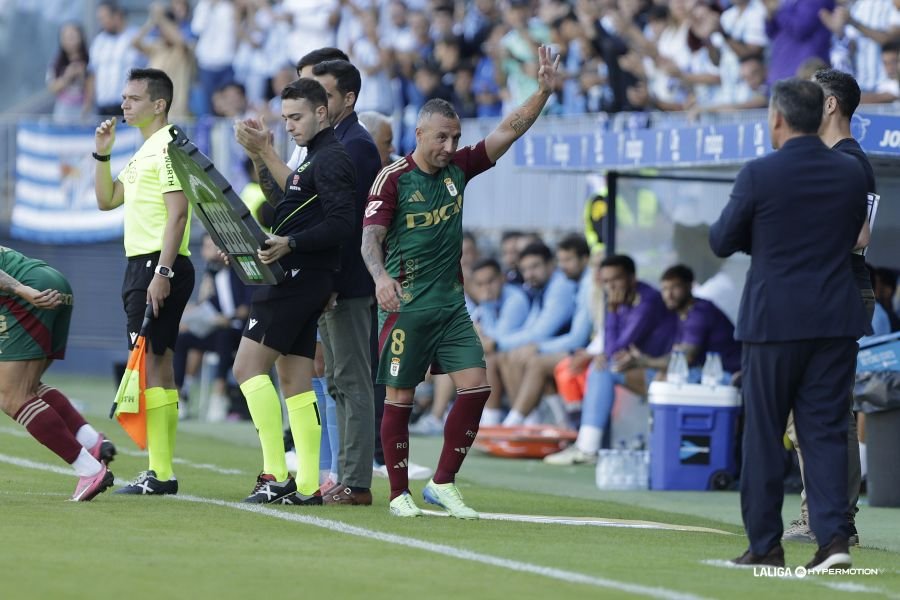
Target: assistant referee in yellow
point(157, 230)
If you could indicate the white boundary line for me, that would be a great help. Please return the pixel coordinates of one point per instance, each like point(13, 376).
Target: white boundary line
point(589, 521)
point(143, 454)
point(408, 542)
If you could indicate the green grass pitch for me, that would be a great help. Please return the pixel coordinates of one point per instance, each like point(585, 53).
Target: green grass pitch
point(204, 545)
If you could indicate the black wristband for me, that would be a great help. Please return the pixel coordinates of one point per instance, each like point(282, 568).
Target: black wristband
point(101, 157)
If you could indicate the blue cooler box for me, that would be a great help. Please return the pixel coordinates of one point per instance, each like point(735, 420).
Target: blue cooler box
point(692, 437)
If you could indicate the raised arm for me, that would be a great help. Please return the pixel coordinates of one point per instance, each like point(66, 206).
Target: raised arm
point(257, 142)
point(518, 121)
point(109, 193)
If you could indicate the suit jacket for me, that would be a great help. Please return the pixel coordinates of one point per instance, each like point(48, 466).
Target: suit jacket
point(797, 212)
point(354, 280)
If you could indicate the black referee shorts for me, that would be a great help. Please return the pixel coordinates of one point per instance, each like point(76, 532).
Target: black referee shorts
point(164, 328)
point(288, 323)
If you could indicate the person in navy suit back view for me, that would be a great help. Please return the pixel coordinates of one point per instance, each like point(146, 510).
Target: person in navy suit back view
point(797, 212)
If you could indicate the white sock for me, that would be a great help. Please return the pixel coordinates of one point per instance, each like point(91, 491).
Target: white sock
point(533, 418)
point(491, 417)
point(589, 439)
point(87, 436)
point(188, 384)
point(86, 465)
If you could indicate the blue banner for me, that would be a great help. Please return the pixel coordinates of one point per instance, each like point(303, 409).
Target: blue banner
point(54, 196)
point(697, 146)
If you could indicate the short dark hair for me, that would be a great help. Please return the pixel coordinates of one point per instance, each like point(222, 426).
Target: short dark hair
point(306, 89)
point(159, 85)
point(112, 6)
point(345, 74)
point(682, 273)
point(487, 263)
point(893, 46)
point(622, 261)
point(321, 55)
point(510, 234)
point(842, 86)
point(800, 103)
point(537, 249)
point(575, 242)
point(439, 107)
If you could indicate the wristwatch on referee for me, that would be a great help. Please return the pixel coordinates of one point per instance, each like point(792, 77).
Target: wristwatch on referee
point(164, 271)
point(292, 242)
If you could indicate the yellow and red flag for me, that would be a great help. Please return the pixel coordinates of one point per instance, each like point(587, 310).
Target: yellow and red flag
point(130, 404)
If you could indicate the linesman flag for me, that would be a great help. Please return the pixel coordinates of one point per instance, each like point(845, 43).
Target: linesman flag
point(130, 405)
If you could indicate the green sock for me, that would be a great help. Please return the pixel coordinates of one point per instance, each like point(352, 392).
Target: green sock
point(172, 418)
point(159, 447)
point(306, 428)
point(265, 409)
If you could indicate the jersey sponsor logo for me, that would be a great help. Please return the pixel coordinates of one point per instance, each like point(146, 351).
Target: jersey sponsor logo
point(451, 187)
point(417, 196)
point(434, 217)
point(302, 167)
point(395, 366)
point(372, 208)
point(170, 172)
point(131, 172)
point(252, 323)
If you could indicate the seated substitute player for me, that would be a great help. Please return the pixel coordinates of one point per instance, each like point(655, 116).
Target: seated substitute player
point(35, 312)
point(312, 220)
point(412, 242)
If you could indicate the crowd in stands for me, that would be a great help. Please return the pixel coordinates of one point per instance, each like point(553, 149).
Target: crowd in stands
point(228, 57)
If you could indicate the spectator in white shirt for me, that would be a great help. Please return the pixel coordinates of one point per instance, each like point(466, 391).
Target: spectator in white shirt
point(112, 57)
point(866, 25)
point(742, 34)
point(888, 88)
point(214, 25)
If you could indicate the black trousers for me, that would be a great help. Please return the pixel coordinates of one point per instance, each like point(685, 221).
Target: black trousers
point(809, 377)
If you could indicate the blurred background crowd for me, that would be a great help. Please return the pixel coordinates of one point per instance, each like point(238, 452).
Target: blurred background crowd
point(231, 57)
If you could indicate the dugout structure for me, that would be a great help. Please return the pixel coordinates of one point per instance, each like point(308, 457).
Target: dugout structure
point(671, 181)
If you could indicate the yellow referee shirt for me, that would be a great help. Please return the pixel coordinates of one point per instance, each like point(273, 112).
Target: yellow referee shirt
point(147, 177)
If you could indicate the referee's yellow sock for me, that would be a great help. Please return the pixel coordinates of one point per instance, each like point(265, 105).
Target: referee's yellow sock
point(265, 409)
point(159, 446)
point(306, 428)
point(172, 418)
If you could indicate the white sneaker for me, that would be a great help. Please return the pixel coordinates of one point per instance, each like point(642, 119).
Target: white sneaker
point(414, 471)
point(427, 425)
point(571, 456)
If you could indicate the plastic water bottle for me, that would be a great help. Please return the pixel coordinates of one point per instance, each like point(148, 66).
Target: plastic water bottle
point(712, 369)
point(677, 372)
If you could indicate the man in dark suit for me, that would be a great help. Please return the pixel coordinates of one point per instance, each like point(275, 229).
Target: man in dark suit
point(798, 213)
point(346, 328)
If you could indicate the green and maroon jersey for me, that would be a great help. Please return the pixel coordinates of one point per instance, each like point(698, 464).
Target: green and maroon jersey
point(17, 265)
point(423, 216)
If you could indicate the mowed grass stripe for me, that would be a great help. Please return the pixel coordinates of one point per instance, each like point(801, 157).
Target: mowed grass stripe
point(413, 543)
